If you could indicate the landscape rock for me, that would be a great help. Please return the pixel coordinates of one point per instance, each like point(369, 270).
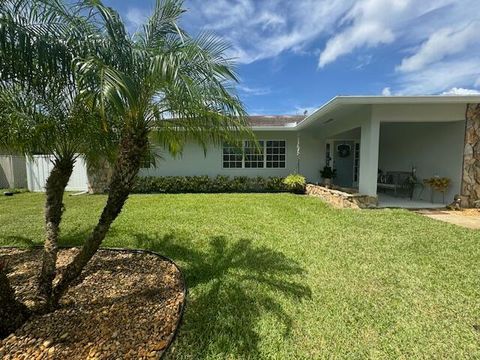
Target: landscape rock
point(341, 199)
point(127, 312)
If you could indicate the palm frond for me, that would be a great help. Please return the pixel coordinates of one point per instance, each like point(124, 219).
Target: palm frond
point(162, 24)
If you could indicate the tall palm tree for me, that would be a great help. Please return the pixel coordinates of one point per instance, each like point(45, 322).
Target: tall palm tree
point(41, 110)
point(158, 82)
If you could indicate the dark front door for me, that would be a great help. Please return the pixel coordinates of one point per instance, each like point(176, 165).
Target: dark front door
point(343, 155)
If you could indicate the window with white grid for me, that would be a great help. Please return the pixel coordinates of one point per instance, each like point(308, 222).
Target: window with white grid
point(232, 157)
point(268, 154)
point(276, 153)
point(254, 156)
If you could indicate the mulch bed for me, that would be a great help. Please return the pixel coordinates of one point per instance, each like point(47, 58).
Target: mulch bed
point(128, 307)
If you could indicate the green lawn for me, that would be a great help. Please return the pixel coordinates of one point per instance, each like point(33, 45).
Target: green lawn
point(287, 277)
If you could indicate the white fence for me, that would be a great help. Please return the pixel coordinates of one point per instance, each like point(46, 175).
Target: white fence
point(12, 172)
point(40, 166)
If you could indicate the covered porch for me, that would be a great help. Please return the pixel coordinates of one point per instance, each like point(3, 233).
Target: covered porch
point(391, 150)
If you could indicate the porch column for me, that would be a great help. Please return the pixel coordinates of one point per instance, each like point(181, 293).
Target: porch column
point(369, 157)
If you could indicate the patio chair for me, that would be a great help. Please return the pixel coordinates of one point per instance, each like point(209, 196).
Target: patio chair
point(400, 182)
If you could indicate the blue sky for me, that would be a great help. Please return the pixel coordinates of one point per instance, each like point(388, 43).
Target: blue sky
point(294, 55)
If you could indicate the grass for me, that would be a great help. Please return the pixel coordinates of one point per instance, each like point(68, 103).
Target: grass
point(286, 277)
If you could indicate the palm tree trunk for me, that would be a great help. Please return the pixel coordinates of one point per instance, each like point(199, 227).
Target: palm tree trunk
point(132, 151)
point(12, 312)
point(55, 188)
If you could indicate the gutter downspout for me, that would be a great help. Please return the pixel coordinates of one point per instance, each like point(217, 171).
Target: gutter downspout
point(298, 153)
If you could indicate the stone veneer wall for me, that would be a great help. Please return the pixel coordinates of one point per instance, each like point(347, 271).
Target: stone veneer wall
point(471, 157)
point(342, 199)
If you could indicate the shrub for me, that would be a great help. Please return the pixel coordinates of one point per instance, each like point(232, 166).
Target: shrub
point(295, 183)
point(205, 184)
point(328, 173)
point(14, 190)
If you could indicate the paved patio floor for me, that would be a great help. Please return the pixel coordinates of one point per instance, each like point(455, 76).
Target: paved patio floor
point(389, 201)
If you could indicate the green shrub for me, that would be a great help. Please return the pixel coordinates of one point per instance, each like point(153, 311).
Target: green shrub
point(328, 173)
point(205, 184)
point(295, 183)
point(14, 190)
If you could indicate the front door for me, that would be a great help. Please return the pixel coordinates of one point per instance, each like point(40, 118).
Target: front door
point(343, 156)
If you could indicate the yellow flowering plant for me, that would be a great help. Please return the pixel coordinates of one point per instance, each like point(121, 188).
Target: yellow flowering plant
point(438, 183)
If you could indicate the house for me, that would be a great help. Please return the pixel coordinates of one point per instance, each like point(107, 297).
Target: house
point(359, 136)
point(374, 142)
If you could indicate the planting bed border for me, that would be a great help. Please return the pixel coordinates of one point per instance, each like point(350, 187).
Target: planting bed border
point(137, 251)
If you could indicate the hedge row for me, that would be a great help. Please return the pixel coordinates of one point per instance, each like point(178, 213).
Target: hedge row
point(205, 184)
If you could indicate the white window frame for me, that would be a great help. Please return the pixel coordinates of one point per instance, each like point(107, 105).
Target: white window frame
point(264, 156)
point(265, 152)
point(262, 153)
point(223, 154)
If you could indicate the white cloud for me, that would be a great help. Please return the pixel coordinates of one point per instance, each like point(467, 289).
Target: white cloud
point(264, 29)
point(439, 77)
point(461, 91)
point(135, 18)
point(226, 13)
point(442, 43)
point(371, 23)
point(431, 56)
point(254, 91)
point(446, 62)
point(386, 92)
point(363, 61)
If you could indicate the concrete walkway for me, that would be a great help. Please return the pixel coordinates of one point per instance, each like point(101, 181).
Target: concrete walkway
point(468, 219)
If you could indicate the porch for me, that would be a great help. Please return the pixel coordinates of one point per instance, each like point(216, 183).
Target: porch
point(391, 151)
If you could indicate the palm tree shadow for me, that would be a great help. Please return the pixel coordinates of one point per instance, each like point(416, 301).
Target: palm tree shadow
point(17, 240)
point(232, 285)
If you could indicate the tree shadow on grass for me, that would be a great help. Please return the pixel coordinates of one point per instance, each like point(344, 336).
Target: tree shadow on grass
point(17, 240)
point(232, 285)
point(67, 238)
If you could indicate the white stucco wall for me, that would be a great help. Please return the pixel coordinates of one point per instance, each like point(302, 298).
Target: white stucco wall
point(354, 134)
point(312, 155)
point(194, 162)
point(418, 112)
point(429, 136)
point(433, 148)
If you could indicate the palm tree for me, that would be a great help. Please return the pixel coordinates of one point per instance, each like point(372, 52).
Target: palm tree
point(41, 110)
point(159, 82)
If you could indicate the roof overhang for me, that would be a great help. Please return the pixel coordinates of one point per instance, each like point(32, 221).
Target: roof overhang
point(339, 101)
point(276, 128)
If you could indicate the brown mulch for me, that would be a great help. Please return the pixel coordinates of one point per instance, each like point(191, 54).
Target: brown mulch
point(127, 307)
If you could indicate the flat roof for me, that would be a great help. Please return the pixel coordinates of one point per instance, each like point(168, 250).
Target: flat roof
point(338, 101)
point(274, 120)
